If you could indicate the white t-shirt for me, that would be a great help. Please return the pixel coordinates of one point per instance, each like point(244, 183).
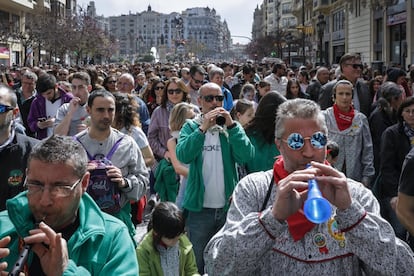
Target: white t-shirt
point(213, 175)
point(51, 111)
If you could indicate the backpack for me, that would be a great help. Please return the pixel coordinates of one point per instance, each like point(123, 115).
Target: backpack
point(104, 192)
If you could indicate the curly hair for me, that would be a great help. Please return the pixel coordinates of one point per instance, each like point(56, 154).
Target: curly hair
point(126, 111)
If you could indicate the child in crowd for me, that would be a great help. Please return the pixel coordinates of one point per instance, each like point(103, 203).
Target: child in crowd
point(165, 249)
point(332, 151)
point(243, 112)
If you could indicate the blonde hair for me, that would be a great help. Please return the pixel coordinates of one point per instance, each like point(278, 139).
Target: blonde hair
point(178, 115)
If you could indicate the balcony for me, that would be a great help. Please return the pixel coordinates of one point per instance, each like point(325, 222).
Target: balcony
point(25, 4)
point(321, 5)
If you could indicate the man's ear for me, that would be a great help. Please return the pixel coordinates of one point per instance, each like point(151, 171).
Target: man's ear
point(85, 181)
point(88, 109)
point(278, 143)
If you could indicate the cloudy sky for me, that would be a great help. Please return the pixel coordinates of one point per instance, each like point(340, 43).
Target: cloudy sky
point(237, 13)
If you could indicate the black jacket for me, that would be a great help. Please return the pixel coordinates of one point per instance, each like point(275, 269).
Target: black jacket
point(394, 147)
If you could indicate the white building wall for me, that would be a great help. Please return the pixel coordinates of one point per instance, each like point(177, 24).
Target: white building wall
point(359, 35)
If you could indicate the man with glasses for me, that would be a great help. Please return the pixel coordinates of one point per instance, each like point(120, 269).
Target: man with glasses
point(63, 74)
point(211, 144)
point(72, 117)
point(14, 148)
point(351, 70)
point(197, 74)
point(66, 231)
point(277, 79)
point(267, 233)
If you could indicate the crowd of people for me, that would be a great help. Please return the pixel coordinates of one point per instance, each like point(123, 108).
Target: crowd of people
point(224, 152)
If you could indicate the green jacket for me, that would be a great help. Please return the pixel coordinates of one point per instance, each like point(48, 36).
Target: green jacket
point(265, 154)
point(149, 258)
point(166, 183)
point(235, 147)
point(100, 246)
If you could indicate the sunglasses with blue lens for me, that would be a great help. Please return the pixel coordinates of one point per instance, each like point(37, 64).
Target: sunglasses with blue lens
point(5, 108)
point(296, 141)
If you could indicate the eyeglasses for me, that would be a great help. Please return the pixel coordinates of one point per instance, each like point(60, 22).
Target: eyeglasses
point(176, 91)
point(55, 191)
point(158, 87)
point(356, 65)
point(198, 81)
point(210, 98)
point(5, 108)
point(296, 141)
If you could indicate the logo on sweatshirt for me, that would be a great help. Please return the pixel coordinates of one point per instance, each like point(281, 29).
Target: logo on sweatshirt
point(15, 177)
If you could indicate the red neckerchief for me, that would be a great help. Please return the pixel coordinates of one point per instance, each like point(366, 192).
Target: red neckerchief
point(343, 119)
point(298, 224)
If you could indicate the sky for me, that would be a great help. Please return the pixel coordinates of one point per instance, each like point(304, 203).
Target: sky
point(237, 13)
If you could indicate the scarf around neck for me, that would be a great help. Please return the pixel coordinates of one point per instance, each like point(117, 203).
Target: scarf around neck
point(343, 119)
point(298, 224)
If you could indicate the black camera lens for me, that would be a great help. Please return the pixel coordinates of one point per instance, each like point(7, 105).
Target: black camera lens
point(220, 120)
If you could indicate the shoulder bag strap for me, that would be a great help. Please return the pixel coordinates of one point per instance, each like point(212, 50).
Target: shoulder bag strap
point(269, 191)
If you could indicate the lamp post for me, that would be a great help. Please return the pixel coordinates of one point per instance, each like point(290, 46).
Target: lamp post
point(320, 26)
point(289, 39)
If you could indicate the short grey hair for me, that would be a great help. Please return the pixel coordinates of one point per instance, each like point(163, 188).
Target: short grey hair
point(298, 109)
point(215, 71)
point(30, 75)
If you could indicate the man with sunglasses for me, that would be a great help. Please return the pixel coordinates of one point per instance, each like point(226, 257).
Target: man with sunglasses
point(351, 70)
point(197, 75)
point(14, 148)
point(67, 232)
point(211, 144)
point(267, 233)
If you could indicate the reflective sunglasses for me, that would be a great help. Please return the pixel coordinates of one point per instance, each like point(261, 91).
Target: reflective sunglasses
point(176, 91)
point(5, 108)
point(356, 65)
point(296, 141)
point(210, 98)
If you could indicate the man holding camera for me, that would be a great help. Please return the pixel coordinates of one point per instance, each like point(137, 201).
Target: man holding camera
point(211, 143)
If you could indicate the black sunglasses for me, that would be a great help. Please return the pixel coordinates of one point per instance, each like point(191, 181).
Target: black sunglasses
point(210, 98)
point(198, 81)
point(356, 65)
point(176, 91)
point(5, 108)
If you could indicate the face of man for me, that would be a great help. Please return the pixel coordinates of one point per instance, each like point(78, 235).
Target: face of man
point(81, 90)
point(281, 71)
point(57, 212)
point(102, 113)
point(28, 85)
point(124, 85)
point(298, 159)
point(207, 100)
point(6, 117)
point(352, 69)
point(323, 76)
point(49, 94)
point(196, 81)
point(63, 75)
point(228, 71)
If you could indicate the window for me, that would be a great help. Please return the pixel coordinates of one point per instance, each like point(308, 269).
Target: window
point(338, 21)
point(286, 8)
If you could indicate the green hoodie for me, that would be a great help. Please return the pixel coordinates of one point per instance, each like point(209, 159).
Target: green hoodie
point(100, 246)
point(149, 258)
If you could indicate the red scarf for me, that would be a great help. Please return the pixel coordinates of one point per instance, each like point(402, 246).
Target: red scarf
point(343, 119)
point(298, 224)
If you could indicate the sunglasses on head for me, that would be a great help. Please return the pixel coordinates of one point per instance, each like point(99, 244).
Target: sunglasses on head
point(5, 108)
point(296, 141)
point(356, 65)
point(210, 98)
point(174, 91)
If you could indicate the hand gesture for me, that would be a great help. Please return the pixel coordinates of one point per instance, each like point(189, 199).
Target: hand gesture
point(4, 252)
point(115, 174)
point(51, 249)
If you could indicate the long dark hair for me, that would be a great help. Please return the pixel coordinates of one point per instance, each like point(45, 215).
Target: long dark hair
point(263, 123)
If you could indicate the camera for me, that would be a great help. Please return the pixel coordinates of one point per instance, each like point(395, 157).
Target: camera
point(220, 120)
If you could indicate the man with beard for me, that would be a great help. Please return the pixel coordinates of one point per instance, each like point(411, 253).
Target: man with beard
point(211, 148)
point(14, 148)
point(197, 75)
point(127, 169)
point(73, 236)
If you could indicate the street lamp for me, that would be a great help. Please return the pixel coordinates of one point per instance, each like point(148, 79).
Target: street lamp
point(320, 26)
point(289, 38)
